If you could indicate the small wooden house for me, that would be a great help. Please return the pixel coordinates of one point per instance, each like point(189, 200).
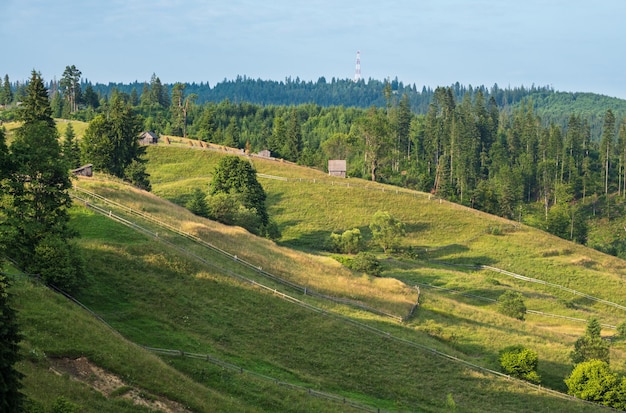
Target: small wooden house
point(148, 138)
point(85, 170)
point(337, 167)
point(265, 153)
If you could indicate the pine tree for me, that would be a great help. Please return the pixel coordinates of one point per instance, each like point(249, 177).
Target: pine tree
point(70, 85)
point(6, 95)
point(293, 139)
point(37, 198)
point(36, 106)
point(70, 148)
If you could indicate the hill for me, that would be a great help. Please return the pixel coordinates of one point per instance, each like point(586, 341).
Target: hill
point(287, 313)
point(170, 280)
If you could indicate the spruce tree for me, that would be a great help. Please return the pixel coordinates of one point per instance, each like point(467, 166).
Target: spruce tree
point(37, 199)
point(35, 105)
point(70, 149)
point(6, 95)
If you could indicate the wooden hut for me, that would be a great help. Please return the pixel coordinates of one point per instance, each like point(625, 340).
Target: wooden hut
point(148, 138)
point(337, 167)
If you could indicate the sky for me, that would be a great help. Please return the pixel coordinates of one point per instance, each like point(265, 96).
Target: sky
point(570, 45)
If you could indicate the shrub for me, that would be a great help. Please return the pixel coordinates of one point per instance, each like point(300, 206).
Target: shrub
point(520, 362)
point(594, 381)
point(366, 262)
point(511, 304)
point(349, 242)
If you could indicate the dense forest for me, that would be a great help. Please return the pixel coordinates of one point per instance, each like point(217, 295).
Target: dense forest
point(551, 159)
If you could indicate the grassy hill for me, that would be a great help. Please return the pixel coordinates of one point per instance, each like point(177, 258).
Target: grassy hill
point(157, 282)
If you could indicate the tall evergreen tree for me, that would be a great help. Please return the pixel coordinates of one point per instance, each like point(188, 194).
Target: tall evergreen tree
point(35, 105)
point(70, 148)
point(70, 86)
point(38, 201)
point(606, 147)
point(293, 139)
point(6, 95)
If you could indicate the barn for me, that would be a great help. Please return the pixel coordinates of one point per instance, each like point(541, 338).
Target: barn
point(148, 138)
point(337, 167)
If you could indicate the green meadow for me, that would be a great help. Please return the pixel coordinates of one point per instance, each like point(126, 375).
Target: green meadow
point(159, 288)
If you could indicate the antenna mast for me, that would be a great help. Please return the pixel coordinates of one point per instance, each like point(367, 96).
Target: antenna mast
point(357, 72)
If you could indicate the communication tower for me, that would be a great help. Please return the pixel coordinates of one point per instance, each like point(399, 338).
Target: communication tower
point(357, 72)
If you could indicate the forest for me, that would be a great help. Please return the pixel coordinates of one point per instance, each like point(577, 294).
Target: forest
point(554, 160)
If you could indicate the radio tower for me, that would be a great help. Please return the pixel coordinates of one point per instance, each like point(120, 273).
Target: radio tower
point(357, 72)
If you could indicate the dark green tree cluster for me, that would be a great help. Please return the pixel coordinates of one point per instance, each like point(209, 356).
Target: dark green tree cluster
point(492, 149)
point(111, 144)
point(34, 226)
point(236, 198)
point(592, 378)
point(591, 346)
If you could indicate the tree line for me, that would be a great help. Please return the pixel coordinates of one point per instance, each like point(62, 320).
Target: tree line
point(470, 145)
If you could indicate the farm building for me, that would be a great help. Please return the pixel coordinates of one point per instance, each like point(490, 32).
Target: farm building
point(148, 138)
point(85, 170)
point(265, 153)
point(337, 168)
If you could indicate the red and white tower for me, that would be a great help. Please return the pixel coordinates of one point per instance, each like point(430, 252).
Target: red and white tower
point(357, 72)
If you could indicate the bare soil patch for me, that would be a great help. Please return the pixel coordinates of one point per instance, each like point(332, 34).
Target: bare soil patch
point(110, 385)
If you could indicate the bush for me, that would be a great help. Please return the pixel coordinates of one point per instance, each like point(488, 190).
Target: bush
point(363, 262)
point(511, 304)
point(349, 242)
point(520, 362)
point(58, 262)
point(595, 382)
point(366, 262)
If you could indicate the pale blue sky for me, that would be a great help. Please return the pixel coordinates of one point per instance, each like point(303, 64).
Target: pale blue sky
point(572, 45)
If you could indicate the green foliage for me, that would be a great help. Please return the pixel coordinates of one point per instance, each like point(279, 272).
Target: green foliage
point(11, 399)
point(520, 362)
point(366, 262)
point(198, 204)
point(70, 148)
point(386, 231)
point(58, 262)
point(594, 381)
point(37, 201)
point(511, 304)
point(35, 105)
point(349, 242)
point(591, 346)
point(234, 175)
point(111, 144)
point(136, 174)
point(62, 405)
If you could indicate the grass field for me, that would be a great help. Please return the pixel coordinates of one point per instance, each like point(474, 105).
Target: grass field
point(156, 295)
